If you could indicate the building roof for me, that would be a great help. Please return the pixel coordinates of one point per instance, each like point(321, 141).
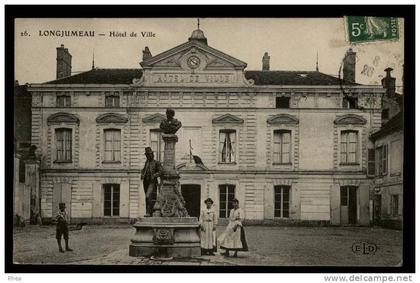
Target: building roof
point(396, 123)
point(291, 78)
point(126, 76)
point(102, 76)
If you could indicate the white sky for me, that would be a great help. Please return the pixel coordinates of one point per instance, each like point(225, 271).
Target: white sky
point(292, 44)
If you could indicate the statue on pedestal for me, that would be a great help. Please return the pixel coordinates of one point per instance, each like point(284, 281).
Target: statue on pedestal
point(149, 174)
point(170, 226)
point(170, 125)
point(170, 202)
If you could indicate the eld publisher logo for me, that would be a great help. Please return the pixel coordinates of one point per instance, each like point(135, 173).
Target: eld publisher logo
point(364, 248)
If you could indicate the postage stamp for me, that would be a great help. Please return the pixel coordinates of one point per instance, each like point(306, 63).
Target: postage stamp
point(366, 29)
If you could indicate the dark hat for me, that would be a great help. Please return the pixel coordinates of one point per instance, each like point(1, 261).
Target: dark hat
point(148, 150)
point(170, 111)
point(208, 200)
point(235, 200)
point(62, 205)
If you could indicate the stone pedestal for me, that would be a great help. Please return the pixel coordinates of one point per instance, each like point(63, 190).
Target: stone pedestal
point(176, 237)
point(170, 202)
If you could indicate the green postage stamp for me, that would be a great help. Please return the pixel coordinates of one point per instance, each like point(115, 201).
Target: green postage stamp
point(366, 29)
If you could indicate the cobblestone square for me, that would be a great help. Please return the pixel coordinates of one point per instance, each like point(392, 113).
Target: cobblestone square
point(268, 246)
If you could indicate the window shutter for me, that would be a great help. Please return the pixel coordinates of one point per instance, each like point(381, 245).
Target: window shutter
point(385, 160)
point(371, 162)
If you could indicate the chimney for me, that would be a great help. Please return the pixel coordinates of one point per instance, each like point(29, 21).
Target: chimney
point(266, 62)
point(349, 67)
point(389, 83)
point(146, 53)
point(63, 62)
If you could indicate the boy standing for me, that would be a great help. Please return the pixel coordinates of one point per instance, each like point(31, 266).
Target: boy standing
point(62, 220)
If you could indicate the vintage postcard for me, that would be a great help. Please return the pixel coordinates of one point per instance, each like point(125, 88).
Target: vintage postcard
point(209, 141)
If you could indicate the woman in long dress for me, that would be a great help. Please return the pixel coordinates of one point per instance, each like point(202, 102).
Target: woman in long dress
point(208, 222)
point(233, 238)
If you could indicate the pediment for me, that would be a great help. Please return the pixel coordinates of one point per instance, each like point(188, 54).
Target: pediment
point(112, 118)
point(209, 57)
point(228, 118)
point(154, 118)
point(63, 117)
point(350, 119)
point(283, 119)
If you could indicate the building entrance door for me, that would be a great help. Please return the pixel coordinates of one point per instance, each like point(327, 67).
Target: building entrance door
point(348, 208)
point(192, 197)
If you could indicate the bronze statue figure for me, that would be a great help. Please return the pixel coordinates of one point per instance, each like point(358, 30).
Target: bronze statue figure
point(149, 174)
point(170, 125)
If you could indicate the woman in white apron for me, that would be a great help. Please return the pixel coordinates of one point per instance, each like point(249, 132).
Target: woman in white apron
point(233, 238)
point(208, 222)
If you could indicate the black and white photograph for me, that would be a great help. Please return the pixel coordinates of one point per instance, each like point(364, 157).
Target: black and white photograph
point(210, 141)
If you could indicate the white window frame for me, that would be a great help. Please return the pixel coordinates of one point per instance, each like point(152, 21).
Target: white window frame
point(65, 98)
point(115, 99)
point(55, 152)
point(226, 208)
point(281, 132)
point(358, 146)
point(160, 148)
point(281, 187)
point(112, 200)
point(234, 146)
point(113, 149)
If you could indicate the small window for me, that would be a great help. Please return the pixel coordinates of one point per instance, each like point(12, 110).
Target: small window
point(281, 201)
point(385, 114)
point(63, 142)
point(349, 147)
point(394, 205)
point(157, 144)
point(226, 196)
point(350, 102)
point(111, 200)
point(371, 162)
point(227, 146)
point(112, 101)
point(382, 160)
point(63, 101)
point(282, 102)
point(282, 147)
point(112, 145)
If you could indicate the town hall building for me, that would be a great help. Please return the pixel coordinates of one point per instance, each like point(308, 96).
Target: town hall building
point(289, 145)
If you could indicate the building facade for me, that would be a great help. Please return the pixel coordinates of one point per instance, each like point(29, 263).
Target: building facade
point(389, 144)
point(387, 158)
point(290, 145)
